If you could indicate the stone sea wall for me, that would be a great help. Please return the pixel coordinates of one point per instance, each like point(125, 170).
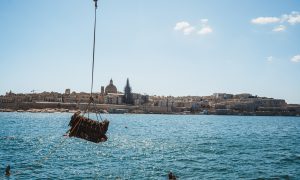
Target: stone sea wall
point(293, 110)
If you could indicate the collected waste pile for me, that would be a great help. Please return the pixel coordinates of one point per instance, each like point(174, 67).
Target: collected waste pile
point(88, 129)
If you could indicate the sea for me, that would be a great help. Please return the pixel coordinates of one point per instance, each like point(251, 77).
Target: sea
point(150, 146)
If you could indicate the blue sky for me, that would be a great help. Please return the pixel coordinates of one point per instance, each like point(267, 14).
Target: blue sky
point(170, 47)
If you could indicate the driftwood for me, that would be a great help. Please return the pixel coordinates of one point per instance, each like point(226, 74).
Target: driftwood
point(88, 129)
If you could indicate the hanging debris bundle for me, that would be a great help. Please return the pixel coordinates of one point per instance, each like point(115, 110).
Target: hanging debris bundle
point(88, 129)
point(81, 126)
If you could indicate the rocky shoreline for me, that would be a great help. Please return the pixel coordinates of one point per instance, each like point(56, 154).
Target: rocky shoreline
point(63, 110)
point(216, 104)
point(46, 110)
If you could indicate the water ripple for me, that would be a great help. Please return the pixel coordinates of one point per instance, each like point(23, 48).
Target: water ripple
point(193, 147)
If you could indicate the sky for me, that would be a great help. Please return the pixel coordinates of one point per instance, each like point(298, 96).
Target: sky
point(169, 47)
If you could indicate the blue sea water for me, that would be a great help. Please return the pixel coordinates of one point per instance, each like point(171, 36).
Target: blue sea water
point(149, 146)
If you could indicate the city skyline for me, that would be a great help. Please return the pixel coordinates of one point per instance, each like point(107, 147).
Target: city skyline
point(176, 48)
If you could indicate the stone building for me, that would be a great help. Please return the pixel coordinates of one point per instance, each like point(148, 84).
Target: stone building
point(222, 96)
point(111, 88)
point(128, 98)
point(109, 94)
point(113, 98)
point(68, 91)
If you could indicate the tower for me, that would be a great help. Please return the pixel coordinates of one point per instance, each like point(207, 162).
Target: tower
point(127, 98)
point(67, 91)
point(102, 90)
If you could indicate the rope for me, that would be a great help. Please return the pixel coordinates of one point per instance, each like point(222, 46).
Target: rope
point(94, 43)
point(97, 113)
point(93, 62)
point(93, 65)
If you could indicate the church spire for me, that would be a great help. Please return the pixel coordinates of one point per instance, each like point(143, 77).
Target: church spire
point(127, 83)
point(128, 99)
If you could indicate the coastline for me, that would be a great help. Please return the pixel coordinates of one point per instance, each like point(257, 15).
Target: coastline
point(46, 110)
point(62, 110)
point(217, 104)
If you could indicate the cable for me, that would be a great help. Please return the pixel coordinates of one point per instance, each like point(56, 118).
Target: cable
point(94, 43)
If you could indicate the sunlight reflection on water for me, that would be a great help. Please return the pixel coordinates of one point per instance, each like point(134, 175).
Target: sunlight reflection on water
point(193, 147)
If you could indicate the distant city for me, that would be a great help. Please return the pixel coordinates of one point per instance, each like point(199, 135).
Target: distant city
point(111, 100)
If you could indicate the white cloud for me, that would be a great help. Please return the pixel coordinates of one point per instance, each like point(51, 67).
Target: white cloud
point(186, 28)
point(292, 18)
point(270, 59)
point(279, 28)
point(265, 20)
point(296, 58)
point(205, 30)
point(181, 25)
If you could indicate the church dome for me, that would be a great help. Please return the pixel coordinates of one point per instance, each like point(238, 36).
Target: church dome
point(111, 88)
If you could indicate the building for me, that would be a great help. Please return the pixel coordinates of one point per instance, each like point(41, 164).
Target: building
point(68, 91)
point(111, 88)
point(128, 98)
point(113, 98)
